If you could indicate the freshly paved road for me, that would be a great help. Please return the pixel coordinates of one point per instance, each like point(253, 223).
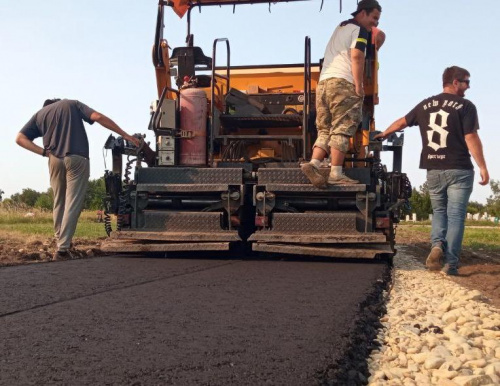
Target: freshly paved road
point(138, 321)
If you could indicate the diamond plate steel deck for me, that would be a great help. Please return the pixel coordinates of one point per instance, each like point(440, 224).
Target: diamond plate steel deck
point(315, 223)
point(155, 235)
point(295, 175)
point(195, 176)
point(352, 253)
point(303, 188)
point(178, 188)
point(183, 221)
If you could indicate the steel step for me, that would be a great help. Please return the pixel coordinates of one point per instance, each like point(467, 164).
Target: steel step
point(309, 188)
point(182, 188)
point(294, 176)
point(131, 247)
point(155, 235)
point(182, 221)
point(301, 238)
point(315, 223)
point(190, 176)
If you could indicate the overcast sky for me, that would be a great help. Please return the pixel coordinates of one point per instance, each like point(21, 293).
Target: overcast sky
point(99, 51)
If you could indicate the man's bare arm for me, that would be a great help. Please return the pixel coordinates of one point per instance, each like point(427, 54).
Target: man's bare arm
point(358, 67)
point(397, 125)
point(476, 149)
point(108, 123)
point(28, 144)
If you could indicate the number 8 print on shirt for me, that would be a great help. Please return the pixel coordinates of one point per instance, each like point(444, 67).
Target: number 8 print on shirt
point(444, 120)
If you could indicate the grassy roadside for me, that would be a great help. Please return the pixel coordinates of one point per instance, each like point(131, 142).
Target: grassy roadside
point(40, 223)
point(485, 238)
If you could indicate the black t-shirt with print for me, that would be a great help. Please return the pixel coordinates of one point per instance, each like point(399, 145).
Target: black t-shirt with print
point(444, 121)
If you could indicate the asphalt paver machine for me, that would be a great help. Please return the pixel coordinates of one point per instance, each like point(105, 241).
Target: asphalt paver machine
point(224, 171)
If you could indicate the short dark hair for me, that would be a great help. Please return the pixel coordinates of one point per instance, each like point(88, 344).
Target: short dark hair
point(368, 6)
point(370, 10)
point(454, 73)
point(50, 101)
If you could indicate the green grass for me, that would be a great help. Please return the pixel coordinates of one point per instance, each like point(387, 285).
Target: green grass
point(41, 223)
point(474, 238)
point(479, 223)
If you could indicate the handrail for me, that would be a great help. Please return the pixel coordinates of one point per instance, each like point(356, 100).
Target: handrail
point(159, 36)
point(307, 94)
point(212, 91)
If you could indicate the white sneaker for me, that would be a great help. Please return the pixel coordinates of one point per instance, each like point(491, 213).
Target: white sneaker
point(341, 180)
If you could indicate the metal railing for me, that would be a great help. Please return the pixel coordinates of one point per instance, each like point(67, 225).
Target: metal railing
point(212, 92)
point(307, 95)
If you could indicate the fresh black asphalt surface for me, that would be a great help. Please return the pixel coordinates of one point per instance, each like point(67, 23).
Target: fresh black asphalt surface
point(149, 321)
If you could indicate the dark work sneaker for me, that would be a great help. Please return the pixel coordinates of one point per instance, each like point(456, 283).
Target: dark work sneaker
point(314, 175)
point(449, 270)
point(61, 255)
point(433, 262)
point(341, 180)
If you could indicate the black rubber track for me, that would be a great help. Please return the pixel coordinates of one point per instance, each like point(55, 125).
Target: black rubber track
point(138, 321)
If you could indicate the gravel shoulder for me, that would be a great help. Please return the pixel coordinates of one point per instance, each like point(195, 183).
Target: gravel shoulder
point(436, 331)
point(479, 270)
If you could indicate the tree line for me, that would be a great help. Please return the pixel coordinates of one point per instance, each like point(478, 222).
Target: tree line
point(420, 202)
point(45, 200)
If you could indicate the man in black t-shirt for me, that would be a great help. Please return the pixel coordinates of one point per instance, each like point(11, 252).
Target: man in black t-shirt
point(448, 126)
point(60, 124)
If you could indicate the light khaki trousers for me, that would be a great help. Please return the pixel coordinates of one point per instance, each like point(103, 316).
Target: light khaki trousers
point(69, 178)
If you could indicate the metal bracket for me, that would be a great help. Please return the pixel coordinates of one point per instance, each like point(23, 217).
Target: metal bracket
point(232, 200)
point(186, 134)
point(264, 201)
point(366, 203)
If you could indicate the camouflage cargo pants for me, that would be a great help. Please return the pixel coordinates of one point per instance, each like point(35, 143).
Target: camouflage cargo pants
point(338, 113)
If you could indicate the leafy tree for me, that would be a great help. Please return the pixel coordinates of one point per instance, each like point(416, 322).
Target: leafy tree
point(95, 193)
point(420, 201)
point(493, 202)
point(46, 200)
point(475, 207)
point(1, 192)
point(27, 196)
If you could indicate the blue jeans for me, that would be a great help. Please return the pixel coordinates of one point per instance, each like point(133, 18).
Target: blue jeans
point(449, 191)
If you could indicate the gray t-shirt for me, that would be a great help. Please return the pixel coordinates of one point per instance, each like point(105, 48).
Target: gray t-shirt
point(61, 126)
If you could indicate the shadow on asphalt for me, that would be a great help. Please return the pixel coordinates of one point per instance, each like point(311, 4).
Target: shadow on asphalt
point(231, 256)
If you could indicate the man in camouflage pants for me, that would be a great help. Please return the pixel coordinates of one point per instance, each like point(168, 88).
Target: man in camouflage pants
point(339, 95)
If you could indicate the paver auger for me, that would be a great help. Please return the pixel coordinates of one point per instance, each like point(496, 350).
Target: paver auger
point(225, 172)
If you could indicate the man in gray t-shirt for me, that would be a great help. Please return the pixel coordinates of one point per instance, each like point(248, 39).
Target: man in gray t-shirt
point(65, 142)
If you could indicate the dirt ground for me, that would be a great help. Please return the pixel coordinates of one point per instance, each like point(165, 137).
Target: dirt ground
point(479, 271)
point(16, 249)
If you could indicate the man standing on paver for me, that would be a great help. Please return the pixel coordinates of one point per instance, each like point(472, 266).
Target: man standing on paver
point(60, 123)
point(339, 94)
point(448, 125)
